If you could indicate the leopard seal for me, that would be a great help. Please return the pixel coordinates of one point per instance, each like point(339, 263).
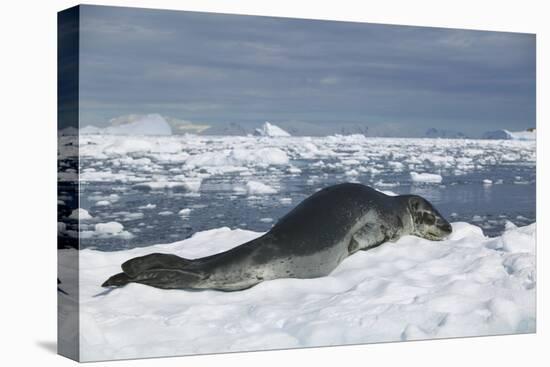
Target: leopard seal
point(308, 242)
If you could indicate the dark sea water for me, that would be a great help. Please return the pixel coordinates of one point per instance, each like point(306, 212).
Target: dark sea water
point(511, 197)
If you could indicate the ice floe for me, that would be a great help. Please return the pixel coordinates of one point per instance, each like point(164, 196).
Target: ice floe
point(180, 161)
point(466, 285)
point(81, 214)
point(426, 177)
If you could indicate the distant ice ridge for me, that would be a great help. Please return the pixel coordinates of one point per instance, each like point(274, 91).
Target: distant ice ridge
point(466, 285)
point(152, 124)
point(268, 129)
point(511, 135)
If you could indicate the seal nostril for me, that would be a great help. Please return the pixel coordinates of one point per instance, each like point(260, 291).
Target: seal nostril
point(447, 228)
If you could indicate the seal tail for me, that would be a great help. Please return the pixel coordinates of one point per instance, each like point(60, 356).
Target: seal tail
point(159, 278)
point(155, 270)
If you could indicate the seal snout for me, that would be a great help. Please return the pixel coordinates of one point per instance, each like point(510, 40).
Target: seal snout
point(446, 227)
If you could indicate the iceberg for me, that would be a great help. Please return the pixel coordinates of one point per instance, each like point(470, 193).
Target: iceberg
point(271, 130)
point(152, 124)
point(503, 134)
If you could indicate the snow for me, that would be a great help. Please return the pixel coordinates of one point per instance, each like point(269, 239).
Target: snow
point(80, 214)
point(152, 124)
point(270, 130)
point(426, 177)
point(466, 285)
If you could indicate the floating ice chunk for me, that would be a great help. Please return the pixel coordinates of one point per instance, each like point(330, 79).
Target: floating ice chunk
point(266, 220)
point(426, 177)
point(259, 188)
point(294, 170)
point(123, 146)
point(396, 166)
point(189, 185)
point(101, 176)
point(487, 182)
point(109, 228)
point(239, 157)
point(103, 203)
point(285, 200)
point(192, 184)
point(184, 212)
point(372, 170)
point(148, 206)
point(477, 218)
point(81, 214)
point(166, 212)
point(350, 162)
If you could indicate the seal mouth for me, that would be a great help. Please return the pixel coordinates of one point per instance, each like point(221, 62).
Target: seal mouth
point(441, 233)
point(446, 228)
point(432, 236)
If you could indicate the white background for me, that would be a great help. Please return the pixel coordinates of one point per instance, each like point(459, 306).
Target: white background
point(28, 181)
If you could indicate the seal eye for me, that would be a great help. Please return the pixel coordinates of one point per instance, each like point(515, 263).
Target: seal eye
point(428, 218)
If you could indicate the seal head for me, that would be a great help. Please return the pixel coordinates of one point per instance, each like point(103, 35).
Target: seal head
point(427, 222)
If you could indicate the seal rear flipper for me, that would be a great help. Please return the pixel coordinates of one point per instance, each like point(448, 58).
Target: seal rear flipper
point(117, 280)
point(170, 278)
point(138, 265)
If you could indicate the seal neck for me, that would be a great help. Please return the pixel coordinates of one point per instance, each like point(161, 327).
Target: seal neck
point(405, 214)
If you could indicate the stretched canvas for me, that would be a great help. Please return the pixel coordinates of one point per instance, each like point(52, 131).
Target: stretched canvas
point(241, 183)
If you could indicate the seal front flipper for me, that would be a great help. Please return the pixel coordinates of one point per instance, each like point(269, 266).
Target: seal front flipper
point(138, 265)
point(367, 237)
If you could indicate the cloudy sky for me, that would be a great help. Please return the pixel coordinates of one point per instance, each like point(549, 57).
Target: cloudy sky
point(318, 76)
